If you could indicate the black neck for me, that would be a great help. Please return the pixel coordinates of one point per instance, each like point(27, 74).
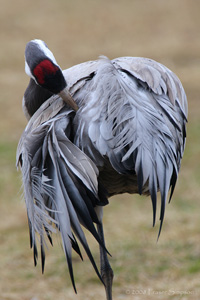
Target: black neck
point(34, 96)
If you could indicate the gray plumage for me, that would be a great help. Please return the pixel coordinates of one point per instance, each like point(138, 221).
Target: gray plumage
point(128, 135)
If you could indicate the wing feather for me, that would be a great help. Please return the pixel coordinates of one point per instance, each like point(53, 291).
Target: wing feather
point(132, 115)
point(141, 110)
point(60, 183)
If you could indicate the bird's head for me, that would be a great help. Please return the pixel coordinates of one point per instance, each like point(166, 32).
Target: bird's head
point(41, 65)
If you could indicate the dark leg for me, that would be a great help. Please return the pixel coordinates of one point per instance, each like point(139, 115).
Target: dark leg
point(106, 270)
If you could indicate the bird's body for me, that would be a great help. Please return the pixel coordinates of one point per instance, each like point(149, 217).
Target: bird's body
point(127, 135)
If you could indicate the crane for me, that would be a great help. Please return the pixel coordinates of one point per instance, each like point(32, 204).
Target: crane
point(95, 130)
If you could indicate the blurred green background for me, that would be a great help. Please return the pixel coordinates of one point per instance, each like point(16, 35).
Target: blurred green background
point(77, 31)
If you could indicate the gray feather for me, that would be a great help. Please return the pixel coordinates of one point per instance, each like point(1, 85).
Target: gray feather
point(127, 136)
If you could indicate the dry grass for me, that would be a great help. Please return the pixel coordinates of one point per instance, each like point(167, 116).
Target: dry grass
point(76, 31)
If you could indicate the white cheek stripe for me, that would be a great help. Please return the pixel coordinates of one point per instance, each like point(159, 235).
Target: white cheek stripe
point(27, 70)
point(46, 50)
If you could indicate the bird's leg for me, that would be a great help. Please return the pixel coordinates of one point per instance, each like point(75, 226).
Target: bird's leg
point(106, 270)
